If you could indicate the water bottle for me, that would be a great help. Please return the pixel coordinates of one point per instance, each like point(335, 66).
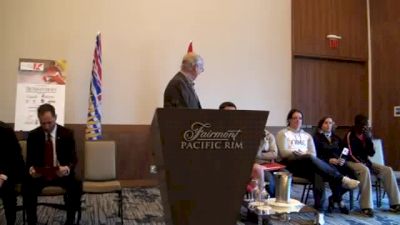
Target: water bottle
point(255, 191)
point(262, 195)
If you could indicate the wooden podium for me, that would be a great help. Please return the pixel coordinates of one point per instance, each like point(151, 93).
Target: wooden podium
point(204, 160)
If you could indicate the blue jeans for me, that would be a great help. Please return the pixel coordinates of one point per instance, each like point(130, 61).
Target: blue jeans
point(317, 171)
point(269, 177)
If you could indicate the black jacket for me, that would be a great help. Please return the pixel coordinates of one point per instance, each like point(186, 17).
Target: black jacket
point(65, 148)
point(359, 149)
point(11, 161)
point(328, 149)
point(179, 93)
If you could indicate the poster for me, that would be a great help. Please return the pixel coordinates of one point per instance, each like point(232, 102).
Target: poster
point(39, 81)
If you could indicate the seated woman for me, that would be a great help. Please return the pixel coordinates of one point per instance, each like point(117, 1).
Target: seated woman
point(297, 152)
point(267, 153)
point(330, 148)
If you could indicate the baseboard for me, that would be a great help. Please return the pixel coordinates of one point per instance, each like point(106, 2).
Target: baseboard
point(139, 183)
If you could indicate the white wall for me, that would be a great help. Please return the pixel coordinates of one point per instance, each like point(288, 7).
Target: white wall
point(246, 46)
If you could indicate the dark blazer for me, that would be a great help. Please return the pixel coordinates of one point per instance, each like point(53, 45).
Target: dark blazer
point(332, 149)
point(11, 161)
point(65, 148)
point(328, 149)
point(179, 93)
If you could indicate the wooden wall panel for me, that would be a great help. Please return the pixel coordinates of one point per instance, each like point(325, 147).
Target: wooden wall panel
point(326, 87)
point(312, 20)
point(310, 24)
point(385, 44)
point(325, 80)
point(133, 148)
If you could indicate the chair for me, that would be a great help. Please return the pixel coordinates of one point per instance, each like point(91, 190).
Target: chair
point(308, 186)
point(47, 191)
point(100, 171)
point(379, 159)
point(18, 187)
point(375, 180)
point(397, 174)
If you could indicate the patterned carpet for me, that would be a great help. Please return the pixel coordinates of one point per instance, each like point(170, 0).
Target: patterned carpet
point(382, 215)
point(142, 207)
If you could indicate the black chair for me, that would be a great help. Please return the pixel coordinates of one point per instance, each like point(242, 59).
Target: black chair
point(308, 186)
point(52, 191)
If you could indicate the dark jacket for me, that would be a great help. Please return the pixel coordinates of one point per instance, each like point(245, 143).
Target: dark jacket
point(359, 149)
point(11, 161)
point(180, 93)
point(65, 148)
point(328, 149)
point(332, 149)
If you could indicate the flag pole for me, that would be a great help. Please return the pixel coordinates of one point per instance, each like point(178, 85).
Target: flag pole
point(93, 126)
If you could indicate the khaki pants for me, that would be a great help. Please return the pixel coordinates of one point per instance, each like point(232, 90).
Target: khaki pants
point(387, 176)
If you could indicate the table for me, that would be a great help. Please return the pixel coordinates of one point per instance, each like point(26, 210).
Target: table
point(269, 208)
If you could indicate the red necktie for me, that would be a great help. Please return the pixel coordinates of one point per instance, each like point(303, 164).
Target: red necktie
point(48, 154)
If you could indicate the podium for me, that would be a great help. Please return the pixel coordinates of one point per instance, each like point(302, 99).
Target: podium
point(204, 160)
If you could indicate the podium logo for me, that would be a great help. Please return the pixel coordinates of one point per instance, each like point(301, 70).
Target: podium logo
point(201, 136)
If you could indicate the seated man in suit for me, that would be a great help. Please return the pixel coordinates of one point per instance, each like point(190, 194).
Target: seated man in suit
point(51, 160)
point(11, 170)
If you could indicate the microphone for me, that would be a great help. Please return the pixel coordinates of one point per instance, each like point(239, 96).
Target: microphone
point(345, 151)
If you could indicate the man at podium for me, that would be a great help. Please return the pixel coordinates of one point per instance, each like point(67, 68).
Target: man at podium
point(180, 92)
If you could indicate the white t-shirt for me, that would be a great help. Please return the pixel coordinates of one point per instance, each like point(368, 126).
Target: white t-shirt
point(290, 140)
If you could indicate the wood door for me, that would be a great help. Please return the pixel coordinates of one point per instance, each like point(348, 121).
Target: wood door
point(327, 87)
point(313, 20)
point(385, 46)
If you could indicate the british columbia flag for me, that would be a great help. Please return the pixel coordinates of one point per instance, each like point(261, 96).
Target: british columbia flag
point(93, 126)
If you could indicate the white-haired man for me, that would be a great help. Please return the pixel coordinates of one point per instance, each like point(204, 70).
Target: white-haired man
point(180, 92)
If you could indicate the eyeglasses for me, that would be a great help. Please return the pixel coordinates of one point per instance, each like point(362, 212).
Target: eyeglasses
point(200, 67)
